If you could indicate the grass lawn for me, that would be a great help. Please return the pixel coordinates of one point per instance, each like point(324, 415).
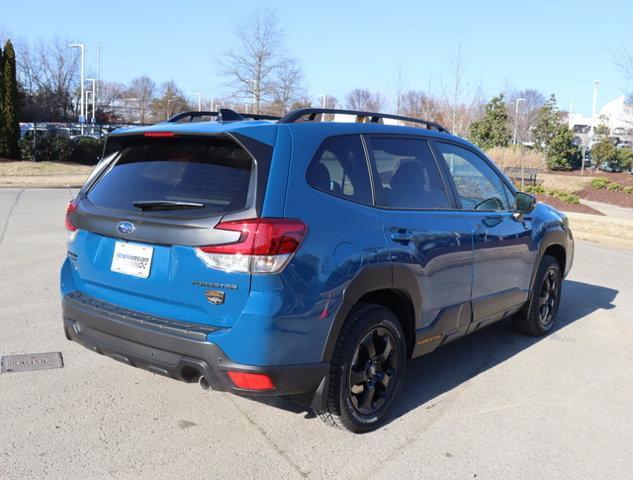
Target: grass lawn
point(42, 174)
point(10, 168)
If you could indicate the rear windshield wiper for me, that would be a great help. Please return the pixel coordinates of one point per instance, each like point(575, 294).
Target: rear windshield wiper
point(166, 205)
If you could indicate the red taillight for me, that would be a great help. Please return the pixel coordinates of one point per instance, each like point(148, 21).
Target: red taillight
point(159, 134)
point(261, 236)
point(71, 208)
point(251, 381)
point(265, 245)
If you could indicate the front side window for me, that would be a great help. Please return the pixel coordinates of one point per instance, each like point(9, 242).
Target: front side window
point(340, 169)
point(479, 187)
point(406, 175)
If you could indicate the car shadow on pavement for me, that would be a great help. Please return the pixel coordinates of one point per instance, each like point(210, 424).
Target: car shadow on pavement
point(447, 367)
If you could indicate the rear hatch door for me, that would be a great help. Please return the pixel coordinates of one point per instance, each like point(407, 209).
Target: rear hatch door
point(142, 215)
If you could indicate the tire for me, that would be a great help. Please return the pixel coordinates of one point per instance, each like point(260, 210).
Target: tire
point(538, 315)
point(363, 386)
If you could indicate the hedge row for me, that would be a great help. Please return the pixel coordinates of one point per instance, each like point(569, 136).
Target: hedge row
point(57, 148)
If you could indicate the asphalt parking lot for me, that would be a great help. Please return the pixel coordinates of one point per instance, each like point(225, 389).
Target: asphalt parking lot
point(492, 405)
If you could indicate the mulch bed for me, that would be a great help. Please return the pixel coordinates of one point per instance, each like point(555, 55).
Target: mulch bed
point(567, 207)
point(620, 198)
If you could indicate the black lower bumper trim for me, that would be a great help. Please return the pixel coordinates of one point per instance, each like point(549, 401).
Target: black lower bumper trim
point(117, 333)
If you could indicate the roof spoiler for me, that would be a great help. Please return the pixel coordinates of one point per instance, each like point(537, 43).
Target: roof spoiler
point(222, 115)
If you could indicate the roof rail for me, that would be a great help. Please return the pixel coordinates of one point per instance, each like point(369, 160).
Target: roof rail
point(224, 114)
point(373, 117)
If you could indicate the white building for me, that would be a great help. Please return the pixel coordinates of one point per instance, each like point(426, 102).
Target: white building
point(616, 115)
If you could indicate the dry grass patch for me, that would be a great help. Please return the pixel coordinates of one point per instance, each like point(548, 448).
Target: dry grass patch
point(507, 157)
point(566, 183)
point(28, 168)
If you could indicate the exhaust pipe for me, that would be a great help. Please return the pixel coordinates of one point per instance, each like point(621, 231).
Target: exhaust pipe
point(203, 383)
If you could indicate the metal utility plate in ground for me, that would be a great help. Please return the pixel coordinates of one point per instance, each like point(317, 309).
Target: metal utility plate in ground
point(30, 361)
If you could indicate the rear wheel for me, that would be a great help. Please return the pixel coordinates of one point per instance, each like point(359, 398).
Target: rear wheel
point(367, 370)
point(538, 315)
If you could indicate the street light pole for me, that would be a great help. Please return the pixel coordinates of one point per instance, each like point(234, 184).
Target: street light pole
point(594, 100)
point(82, 111)
point(94, 95)
point(199, 94)
point(516, 118)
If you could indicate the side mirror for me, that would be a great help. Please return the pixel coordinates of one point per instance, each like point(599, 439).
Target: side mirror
point(524, 203)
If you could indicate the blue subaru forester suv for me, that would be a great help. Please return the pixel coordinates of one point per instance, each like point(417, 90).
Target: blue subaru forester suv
point(310, 256)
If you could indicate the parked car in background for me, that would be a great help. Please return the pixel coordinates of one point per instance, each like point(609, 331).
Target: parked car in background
point(303, 258)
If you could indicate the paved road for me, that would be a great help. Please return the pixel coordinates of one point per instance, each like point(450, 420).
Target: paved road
point(492, 405)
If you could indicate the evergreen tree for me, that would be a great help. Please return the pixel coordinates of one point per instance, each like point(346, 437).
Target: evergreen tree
point(553, 138)
point(9, 103)
point(2, 135)
point(492, 130)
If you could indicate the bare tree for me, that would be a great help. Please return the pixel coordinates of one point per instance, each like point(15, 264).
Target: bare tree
point(49, 76)
point(170, 102)
point(624, 61)
point(288, 87)
point(418, 104)
point(400, 83)
point(258, 67)
point(528, 109)
point(141, 94)
point(362, 99)
point(461, 102)
point(111, 102)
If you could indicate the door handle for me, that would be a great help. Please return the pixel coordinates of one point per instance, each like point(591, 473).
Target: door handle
point(401, 237)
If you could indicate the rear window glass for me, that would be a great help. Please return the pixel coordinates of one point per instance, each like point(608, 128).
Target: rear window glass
point(213, 172)
point(340, 169)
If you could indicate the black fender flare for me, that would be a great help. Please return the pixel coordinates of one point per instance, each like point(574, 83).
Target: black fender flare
point(371, 278)
point(552, 236)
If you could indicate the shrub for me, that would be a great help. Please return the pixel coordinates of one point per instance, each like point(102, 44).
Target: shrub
point(565, 197)
point(628, 189)
point(614, 187)
point(86, 150)
point(600, 182)
point(534, 189)
point(57, 148)
point(624, 156)
point(47, 147)
point(603, 151)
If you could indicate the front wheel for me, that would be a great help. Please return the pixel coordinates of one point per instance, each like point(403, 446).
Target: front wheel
point(367, 370)
point(538, 315)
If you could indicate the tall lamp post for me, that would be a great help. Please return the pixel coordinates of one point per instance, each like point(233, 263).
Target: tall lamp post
point(514, 141)
point(82, 110)
point(199, 94)
point(516, 117)
point(94, 96)
point(592, 127)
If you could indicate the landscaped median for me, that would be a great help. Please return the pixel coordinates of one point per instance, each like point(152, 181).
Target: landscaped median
point(26, 174)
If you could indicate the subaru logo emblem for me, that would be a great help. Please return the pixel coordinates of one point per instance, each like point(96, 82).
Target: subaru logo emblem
point(125, 228)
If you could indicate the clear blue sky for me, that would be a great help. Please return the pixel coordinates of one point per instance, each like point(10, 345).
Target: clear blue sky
point(555, 46)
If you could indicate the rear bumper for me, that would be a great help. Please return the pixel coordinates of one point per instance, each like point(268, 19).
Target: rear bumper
point(174, 349)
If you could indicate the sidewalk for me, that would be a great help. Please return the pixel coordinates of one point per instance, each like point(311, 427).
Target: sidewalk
point(610, 210)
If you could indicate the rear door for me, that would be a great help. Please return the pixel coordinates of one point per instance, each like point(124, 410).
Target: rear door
point(503, 256)
point(141, 218)
point(429, 241)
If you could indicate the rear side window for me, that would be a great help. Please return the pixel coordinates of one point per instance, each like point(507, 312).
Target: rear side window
point(340, 169)
point(214, 172)
point(407, 174)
